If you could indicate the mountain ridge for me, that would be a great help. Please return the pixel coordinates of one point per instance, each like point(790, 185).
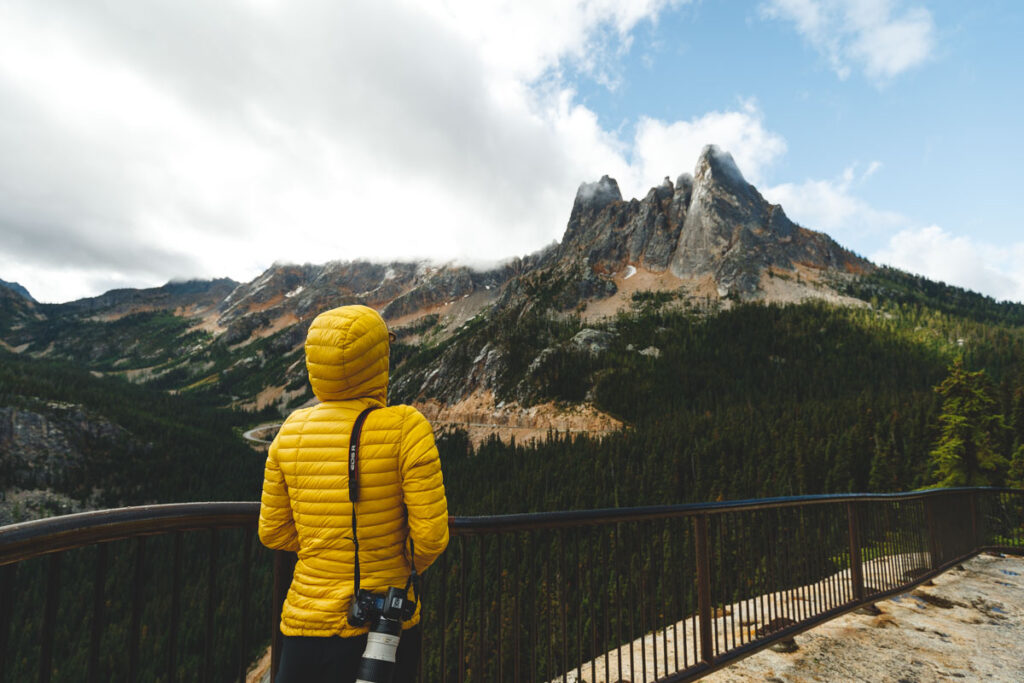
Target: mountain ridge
point(708, 239)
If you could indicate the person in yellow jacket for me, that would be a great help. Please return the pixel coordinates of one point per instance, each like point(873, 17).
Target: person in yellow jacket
point(401, 512)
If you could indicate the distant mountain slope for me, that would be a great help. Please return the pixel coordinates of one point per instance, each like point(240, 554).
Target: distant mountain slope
point(17, 289)
point(708, 240)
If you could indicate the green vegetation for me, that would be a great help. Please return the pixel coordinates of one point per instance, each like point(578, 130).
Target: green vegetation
point(925, 385)
point(171, 449)
point(755, 401)
point(895, 286)
point(972, 431)
point(139, 445)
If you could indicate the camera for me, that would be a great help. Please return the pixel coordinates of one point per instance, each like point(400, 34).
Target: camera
point(385, 612)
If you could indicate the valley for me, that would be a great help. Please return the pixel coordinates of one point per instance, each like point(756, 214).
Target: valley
point(694, 344)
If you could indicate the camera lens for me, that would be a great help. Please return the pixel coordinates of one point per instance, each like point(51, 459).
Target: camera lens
point(378, 662)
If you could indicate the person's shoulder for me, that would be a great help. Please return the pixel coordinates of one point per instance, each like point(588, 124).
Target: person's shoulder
point(296, 418)
point(405, 414)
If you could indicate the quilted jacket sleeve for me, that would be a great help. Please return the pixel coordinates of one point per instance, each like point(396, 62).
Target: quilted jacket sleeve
point(423, 489)
point(277, 528)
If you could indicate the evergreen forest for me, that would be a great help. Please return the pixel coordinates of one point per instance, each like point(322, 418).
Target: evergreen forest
point(918, 387)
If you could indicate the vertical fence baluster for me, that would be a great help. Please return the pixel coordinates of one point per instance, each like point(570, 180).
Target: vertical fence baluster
point(284, 566)
point(933, 534)
point(662, 601)
point(975, 540)
point(856, 571)
point(536, 595)
point(136, 627)
point(462, 608)
point(242, 663)
point(211, 599)
point(501, 602)
point(172, 636)
point(8, 576)
point(516, 624)
point(98, 601)
point(49, 617)
point(482, 628)
point(561, 587)
point(618, 610)
point(443, 674)
point(577, 603)
point(703, 586)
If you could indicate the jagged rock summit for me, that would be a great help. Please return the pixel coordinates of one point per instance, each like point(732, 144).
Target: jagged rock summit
point(712, 226)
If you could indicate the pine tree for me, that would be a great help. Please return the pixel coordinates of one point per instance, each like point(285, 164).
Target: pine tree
point(1018, 417)
point(1015, 477)
point(971, 429)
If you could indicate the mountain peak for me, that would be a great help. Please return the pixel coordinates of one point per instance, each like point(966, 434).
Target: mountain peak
point(596, 196)
point(716, 164)
point(17, 289)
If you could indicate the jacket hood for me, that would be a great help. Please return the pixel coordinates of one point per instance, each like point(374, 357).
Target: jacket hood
point(347, 354)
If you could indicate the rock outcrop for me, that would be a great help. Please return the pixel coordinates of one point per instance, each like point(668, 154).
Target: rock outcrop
point(711, 224)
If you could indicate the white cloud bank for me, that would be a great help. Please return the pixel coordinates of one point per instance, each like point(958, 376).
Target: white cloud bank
point(159, 140)
point(878, 36)
point(958, 260)
point(832, 206)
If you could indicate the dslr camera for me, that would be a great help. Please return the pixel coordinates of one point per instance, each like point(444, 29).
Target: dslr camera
point(385, 614)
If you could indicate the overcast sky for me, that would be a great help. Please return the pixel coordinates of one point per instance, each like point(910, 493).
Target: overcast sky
point(149, 140)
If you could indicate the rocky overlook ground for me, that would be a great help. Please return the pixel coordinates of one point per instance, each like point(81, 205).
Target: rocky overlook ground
point(969, 626)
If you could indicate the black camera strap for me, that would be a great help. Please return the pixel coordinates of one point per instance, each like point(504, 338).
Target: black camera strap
point(353, 496)
point(353, 481)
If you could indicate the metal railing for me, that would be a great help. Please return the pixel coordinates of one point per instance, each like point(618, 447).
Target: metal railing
point(667, 593)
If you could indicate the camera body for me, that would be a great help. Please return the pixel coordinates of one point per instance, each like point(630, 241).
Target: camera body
point(385, 613)
point(394, 605)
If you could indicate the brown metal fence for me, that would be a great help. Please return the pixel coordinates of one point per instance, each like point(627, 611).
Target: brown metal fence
point(669, 593)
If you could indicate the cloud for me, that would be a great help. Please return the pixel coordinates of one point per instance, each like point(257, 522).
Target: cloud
point(662, 148)
point(892, 238)
point(878, 36)
point(147, 143)
point(958, 260)
point(832, 206)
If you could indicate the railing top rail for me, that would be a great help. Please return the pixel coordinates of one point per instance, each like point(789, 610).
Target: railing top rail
point(38, 537)
point(55, 534)
point(570, 518)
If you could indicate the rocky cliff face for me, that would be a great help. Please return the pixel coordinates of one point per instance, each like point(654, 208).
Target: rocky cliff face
point(711, 224)
point(45, 449)
point(733, 234)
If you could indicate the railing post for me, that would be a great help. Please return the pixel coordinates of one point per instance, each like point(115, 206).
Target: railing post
point(975, 537)
point(933, 534)
point(8, 574)
point(700, 523)
point(49, 617)
point(284, 566)
point(856, 569)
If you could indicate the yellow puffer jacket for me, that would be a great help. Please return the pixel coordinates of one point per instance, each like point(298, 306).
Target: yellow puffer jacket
point(305, 505)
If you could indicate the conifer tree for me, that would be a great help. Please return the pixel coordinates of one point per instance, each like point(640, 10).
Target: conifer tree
point(966, 453)
point(1015, 477)
point(1018, 417)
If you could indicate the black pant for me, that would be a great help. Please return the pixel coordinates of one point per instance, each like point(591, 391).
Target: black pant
point(335, 660)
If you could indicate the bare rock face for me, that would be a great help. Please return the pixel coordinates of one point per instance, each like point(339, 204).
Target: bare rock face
point(732, 233)
point(610, 233)
point(44, 449)
point(713, 223)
